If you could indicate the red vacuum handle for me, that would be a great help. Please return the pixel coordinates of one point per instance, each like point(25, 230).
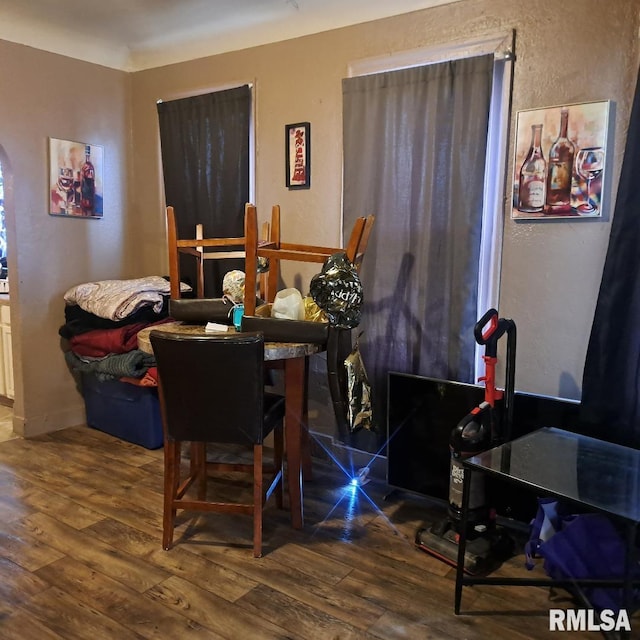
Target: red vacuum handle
point(488, 330)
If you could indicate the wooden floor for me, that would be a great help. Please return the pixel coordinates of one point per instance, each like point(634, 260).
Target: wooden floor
point(80, 554)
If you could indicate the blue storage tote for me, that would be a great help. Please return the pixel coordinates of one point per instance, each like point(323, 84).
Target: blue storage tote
point(124, 410)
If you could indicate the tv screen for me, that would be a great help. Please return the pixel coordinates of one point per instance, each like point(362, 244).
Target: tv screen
point(423, 411)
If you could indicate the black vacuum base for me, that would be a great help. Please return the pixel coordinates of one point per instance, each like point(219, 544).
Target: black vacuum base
point(483, 552)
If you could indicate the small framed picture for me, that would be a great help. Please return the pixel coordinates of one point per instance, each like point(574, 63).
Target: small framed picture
point(560, 162)
point(298, 155)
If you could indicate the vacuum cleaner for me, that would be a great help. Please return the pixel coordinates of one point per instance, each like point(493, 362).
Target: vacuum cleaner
point(484, 427)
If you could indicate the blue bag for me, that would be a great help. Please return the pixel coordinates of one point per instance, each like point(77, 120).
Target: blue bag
point(549, 519)
point(576, 546)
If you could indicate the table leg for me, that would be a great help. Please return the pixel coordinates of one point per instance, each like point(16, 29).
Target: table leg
point(307, 467)
point(294, 384)
point(462, 541)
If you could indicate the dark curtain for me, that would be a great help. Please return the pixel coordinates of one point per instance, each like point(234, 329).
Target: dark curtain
point(205, 160)
point(611, 379)
point(414, 155)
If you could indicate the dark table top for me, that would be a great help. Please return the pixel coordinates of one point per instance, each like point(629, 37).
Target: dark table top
point(588, 471)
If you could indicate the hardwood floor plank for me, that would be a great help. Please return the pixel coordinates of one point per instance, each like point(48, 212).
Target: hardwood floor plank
point(25, 550)
point(310, 562)
point(179, 561)
point(111, 448)
point(95, 554)
point(137, 612)
point(225, 618)
point(413, 567)
point(406, 599)
point(73, 619)
point(20, 625)
point(422, 607)
point(81, 558)
point(81, 466)
point(55, 504)
point(306, 621)
point(392, 626)
point(16, 585)
point(324, 597)
point(43, 469)
point(13, 508)
point(129, 507)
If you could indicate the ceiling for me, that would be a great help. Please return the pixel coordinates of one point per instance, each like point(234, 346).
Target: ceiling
point(139, 34)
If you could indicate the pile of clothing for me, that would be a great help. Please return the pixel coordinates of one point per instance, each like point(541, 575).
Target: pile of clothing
point(102, 321)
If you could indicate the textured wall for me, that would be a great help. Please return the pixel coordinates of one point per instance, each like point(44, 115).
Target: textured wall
point(45, 95)
point(582, 50)
point(579, 50)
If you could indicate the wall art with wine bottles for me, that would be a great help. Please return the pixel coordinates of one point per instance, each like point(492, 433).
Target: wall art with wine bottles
point(75, 179)
point(560, 161)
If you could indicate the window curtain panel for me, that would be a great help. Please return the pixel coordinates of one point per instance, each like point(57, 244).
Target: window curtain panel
point(610, 407)
point(205, 161)
point(414, 155)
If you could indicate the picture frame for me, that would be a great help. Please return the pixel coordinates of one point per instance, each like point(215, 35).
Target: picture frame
point(560, 162)
point(298, 155)
point(75, 179)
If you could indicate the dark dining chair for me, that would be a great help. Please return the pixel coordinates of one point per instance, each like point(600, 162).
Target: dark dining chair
point(211, 390)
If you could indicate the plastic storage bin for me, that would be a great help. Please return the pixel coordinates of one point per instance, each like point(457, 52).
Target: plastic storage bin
point(123, 410)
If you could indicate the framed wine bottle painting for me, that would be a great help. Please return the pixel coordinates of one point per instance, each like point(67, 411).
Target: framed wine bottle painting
point(560, 161)
point(75, 179)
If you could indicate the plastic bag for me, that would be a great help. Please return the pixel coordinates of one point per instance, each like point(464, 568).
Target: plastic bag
point(233, 286)
point(358, 392)
point(337, 290)
point(576, 546)
point(288, 305)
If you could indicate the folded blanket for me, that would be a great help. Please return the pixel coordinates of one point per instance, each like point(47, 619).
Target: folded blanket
point(102, 342)
point(117, 299)
point(79, 321)
point(131, 365)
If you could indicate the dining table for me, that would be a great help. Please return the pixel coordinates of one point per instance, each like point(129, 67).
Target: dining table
point(294, 358)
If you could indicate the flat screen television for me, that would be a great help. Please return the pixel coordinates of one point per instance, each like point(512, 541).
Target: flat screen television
point(422, 412)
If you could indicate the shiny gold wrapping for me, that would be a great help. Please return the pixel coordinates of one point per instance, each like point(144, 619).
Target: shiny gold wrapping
point(312, 311)
point(358, 392)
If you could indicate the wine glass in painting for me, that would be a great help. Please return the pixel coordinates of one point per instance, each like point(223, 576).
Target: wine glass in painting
point(589, 165)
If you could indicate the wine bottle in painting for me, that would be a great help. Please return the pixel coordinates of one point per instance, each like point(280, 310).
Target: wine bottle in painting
point(532, 183)
point(560, 169)
point(77, 194)
point(88, 186)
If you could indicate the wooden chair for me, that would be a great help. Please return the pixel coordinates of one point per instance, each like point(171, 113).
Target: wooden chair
point(339, 344)
point(202, 249)
point(211, 390)
point(275, 251)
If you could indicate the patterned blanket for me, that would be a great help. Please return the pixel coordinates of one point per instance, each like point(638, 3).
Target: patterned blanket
point(117, 299)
